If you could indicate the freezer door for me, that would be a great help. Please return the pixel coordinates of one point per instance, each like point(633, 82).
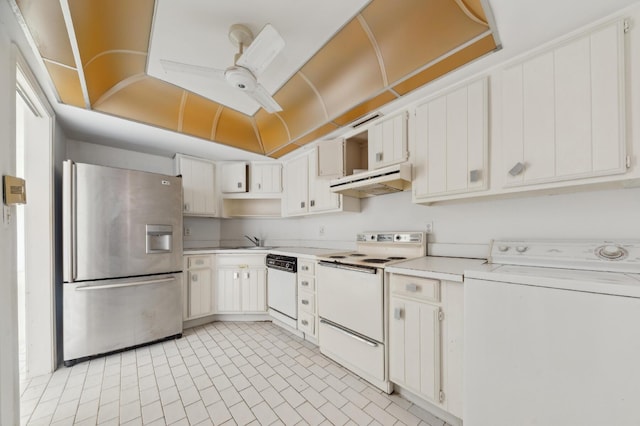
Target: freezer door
point(122, 222)
point(108, 315)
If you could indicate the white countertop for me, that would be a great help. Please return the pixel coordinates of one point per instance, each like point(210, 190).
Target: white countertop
point(305, 252)
point(440, 268)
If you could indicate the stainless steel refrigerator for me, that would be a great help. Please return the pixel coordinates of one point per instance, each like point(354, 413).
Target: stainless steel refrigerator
point(122, 259)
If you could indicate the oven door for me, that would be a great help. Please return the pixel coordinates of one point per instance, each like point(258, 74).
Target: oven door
point(352, 297)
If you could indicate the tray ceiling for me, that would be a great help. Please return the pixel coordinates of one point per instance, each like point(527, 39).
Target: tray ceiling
point(341, 62)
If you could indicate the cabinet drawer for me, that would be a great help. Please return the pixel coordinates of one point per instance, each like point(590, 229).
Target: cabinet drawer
point(306, 283)
point(242, 260)
point(415, 287)
point(306, 302)
point(307, 323)
point(306, 266)
point(198, 261)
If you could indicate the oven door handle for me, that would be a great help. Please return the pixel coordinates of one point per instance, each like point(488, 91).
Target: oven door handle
point(348, 333)
point(354, 268)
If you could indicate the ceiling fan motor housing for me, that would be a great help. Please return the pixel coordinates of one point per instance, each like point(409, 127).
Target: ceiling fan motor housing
point(240, 78)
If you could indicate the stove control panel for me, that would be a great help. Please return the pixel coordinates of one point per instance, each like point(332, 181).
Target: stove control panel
point(615, 256)
point(391, 237)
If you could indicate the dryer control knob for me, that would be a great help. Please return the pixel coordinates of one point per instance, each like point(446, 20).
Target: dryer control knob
point(611, 252)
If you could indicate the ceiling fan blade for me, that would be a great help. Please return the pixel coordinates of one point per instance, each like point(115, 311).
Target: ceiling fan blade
point(192, 69)
point(262, 51)
point(266, 101)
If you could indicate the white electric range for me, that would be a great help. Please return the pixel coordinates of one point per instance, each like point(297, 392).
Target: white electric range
point(353, 301)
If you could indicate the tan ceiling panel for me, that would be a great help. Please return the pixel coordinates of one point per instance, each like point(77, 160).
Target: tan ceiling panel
point(102, 26)
point(346, 70)
point(365, 108)
point(462, 57)
point(67, 84)
point(108, 70)
point(302, 109)
point(316, 134)
point(148, 101)
point(198, 115)
point(284, 151)
point(236, 129)
point(417, 33)
point(273, 131)
point(475, 7)
point(47, 27)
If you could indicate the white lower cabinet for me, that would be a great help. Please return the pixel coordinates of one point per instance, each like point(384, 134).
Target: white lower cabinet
point(425, 339)
point(198, 286)
point(241, 285)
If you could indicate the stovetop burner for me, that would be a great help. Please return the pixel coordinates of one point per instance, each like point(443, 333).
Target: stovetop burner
point(338, 257)
point(373, 260)
point(357, 255)
point(396, 257)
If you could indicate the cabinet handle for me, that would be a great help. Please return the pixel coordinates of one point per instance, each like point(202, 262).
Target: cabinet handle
point(304, 322)
point(194, 278)
point(475, 175)
point(305, 283)
point(412, 287)
point(379, 156)
point(187, 207)
point(397, 313)
point(239, 184)
point(235, 275)
point(304, 301)
point(259, 186)
point(517, 169)
point(302, 204)
point(312, 203)
point(305, 268)
point(246, 275)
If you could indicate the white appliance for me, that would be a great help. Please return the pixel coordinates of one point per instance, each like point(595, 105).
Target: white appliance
point(282, 288)
point(353, 298)
point(551, 335)
point(395, 178)
point(122, 259)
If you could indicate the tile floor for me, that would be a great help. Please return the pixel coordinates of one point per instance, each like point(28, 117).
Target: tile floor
point(220, 373)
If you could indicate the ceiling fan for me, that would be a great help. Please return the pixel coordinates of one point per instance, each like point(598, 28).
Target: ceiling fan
point(248, 64)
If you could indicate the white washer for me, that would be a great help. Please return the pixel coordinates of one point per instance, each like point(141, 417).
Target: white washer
point(552, 335)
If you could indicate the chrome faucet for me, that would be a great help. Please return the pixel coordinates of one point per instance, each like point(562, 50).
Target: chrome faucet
point(255, 240)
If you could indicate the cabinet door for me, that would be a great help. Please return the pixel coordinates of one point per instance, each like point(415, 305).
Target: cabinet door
point(388, 142)
point(253, 290)
point(198, 184)
point(321, 198)
point(414, 347)
point(563, 111)
point(450, 146)
point(296, 185)
point(227, 294)
point(330, 158)
point(234, 177)
point(266, 178)
point(199, 293)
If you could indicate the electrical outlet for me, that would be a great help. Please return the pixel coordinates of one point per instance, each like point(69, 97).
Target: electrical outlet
point(429, 227)
point(321, 230)
point(6, 215)
point(187, 231)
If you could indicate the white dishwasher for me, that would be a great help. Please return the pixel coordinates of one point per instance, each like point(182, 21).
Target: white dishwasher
point(551, 335)
point(282, 288)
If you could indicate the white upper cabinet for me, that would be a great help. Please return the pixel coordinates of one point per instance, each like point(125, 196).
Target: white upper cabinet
point(265, 178)
point(563, 111)
point(296, 175)
point(321, 198)
point(449, 148)
point(388, 142)
point(198, 185)
point(330, 154)
point(234, 177)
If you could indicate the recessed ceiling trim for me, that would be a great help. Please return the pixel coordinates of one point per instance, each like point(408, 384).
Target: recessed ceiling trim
point(470, 13)
point(183, 103)
point(66, 12)
point(284, 123)
point(60, 64)
point(214, 125)
point(376, 48)
point(257, 132)
point(115, 89)
point(108, 52)
point(315, 90)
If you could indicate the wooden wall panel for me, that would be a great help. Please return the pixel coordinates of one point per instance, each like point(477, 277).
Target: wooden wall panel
point(284, 151)
point(428, 30)
point(236, 129)
point(198, 115)
point(365, 108)
point(273, 131)
point(302, 109)
point(108, 70)
point(67, 84)
point(316, 134)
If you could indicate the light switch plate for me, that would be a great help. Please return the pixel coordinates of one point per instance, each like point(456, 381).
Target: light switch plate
point(6, 215)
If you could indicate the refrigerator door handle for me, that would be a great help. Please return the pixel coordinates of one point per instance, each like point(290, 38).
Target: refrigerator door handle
point(69, 236)
point(131, 284)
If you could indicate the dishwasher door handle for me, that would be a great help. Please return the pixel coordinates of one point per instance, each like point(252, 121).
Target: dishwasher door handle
point(349, 333)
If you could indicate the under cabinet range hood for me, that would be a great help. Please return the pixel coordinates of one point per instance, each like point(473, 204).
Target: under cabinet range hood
point(385, 180)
